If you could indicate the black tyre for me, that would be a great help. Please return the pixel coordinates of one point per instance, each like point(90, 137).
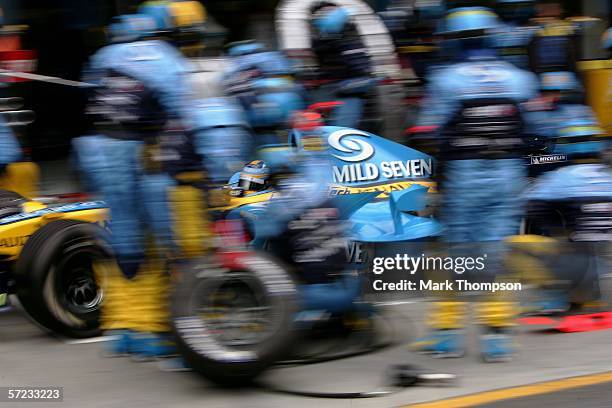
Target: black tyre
point(232, 322)
point(56, 284)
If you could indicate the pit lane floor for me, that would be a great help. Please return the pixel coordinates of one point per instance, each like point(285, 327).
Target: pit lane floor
point(29, 357)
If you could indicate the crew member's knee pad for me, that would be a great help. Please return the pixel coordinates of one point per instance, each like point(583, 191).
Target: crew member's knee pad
point(191, 225)
point(447, 315)
point(527, 256)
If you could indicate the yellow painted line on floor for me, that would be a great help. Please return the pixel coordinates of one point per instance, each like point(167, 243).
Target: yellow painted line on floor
point(517, 392)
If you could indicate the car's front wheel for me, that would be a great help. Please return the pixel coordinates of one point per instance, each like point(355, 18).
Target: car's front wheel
point(56, 283)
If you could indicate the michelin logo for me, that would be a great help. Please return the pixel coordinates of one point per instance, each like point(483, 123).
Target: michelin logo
point(350, 141)
point(552, 158)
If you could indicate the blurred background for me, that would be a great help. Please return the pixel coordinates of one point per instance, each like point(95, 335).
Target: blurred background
point(60, 36)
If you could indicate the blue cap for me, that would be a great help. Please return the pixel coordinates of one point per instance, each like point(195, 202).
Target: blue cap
point(470, 19)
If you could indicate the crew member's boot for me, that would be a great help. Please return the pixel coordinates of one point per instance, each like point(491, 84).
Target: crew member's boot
point(498, 319)
point(446, 337)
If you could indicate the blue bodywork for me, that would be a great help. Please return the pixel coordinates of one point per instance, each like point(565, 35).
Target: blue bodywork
point(364, 170)
point(362, 162)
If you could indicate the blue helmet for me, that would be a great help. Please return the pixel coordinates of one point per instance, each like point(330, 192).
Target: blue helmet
point(330, 20)
point(160, 12)
point(130, 27)
point(468, 20)
point(271, 102)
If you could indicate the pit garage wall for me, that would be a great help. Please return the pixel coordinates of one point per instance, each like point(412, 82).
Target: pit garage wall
point(293, 34)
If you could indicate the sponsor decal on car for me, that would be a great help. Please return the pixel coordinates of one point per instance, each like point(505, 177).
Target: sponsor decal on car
point(358, 150)
point(11, 242)
point(90, 205)
point(384, 188)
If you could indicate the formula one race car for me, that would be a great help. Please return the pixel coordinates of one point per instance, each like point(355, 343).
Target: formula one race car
point(236, 314)
point(47, 253)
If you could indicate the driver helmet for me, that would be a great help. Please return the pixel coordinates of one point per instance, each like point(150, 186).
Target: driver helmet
point(254, 176)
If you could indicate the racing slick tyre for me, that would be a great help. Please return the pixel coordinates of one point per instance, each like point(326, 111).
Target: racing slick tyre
point(56, 284)
point(234, 319)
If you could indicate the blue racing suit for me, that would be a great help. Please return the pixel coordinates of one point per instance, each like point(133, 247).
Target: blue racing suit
point(112, 160)
point(344, 67)
point(475, 105)
point(567, 131)
point(142, 87)
point(305, 229)
point(263, 83)
point(578, 197)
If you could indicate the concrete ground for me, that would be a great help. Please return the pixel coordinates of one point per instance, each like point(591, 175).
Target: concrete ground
point(29, 357)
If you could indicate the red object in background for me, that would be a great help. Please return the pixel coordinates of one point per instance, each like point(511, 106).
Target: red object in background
point(10, 43)
point(538, 321)
point(573, 323)
point(232, 235)
point(19, 61)
point(586, 322)
point(324, 107)
point(421, 129)
point(306, 120)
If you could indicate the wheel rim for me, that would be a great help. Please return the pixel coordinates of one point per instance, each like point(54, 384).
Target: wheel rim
point(236, 310)
point(77, 285)
point(83, 293)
